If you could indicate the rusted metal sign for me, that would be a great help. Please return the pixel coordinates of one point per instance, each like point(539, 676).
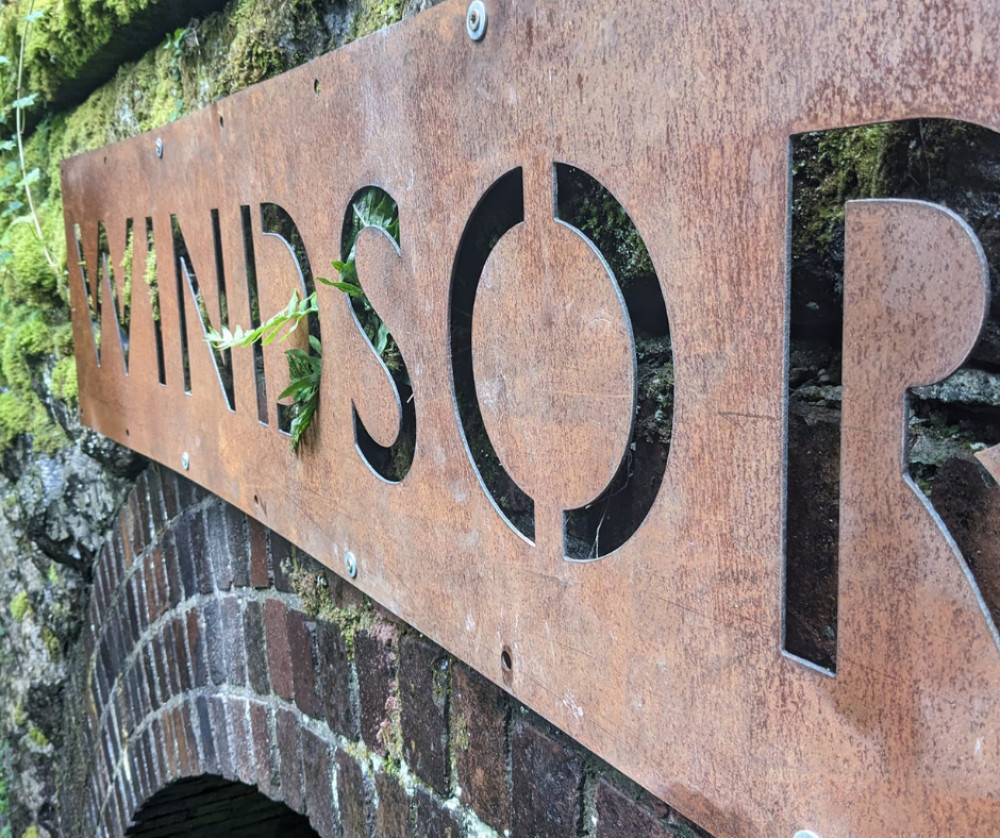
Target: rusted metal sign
point(664, 654)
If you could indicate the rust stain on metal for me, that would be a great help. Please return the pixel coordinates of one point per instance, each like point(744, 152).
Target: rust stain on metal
point(665, 657)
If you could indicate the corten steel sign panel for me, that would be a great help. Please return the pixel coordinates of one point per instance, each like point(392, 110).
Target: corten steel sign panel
point(664, 656)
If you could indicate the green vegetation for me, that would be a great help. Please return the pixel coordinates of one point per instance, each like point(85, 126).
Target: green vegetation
point(75, 46)
point(375, 15)
point(372, 208)
point(312, 587)
point(64, 383)
point(32, 250)
point(656, 389)
point(830, 168)
point(52, 643)
point(68, 49)
point(20, 607)
point(460, 731)
point(596, 213)
point(37, 737)
point(304, 368)
point(4, 794)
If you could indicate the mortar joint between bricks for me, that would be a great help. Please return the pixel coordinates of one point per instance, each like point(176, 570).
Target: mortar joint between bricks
point(198, 600)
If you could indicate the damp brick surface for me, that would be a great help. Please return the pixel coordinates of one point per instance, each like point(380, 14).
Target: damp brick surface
point(202, 681)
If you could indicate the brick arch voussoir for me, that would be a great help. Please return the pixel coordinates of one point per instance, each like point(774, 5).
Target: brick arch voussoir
point(188, 665)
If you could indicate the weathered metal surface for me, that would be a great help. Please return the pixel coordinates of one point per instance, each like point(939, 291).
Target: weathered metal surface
point(990, 458)
point(559, 413)
point(666, 656)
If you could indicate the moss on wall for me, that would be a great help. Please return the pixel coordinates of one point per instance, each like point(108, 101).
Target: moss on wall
point(33, 297)
point(248, 41)
point(74, 45)
point(64, 383)
point(376, 14)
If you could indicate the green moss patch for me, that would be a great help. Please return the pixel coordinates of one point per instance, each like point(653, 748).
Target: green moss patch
point(37, 737)
point(81, 48)
point(75, 45)
point(830, 168)
point(19, 606)
point(64, 383)
point(375, 15)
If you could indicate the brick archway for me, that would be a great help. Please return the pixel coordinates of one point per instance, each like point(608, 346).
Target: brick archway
point(209, 807)
point(187, 669)
point(198, 663)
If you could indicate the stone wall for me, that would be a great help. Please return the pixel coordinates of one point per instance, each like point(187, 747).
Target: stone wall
point(212, 646)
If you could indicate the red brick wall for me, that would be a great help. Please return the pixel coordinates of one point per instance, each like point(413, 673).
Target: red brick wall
point(200, 657)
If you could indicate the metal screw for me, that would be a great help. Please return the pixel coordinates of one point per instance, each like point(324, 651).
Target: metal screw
point(475, 20)
point(185, 461)
point(351, 565)
point(159, 147)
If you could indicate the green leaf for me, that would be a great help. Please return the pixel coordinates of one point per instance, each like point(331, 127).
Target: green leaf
point(36, 15)
point(7, 145)
point(24, 101)
point(31, 177)
point(348, 270)
point(349, 289)
point(12, 207)
point(301, 422)
point(290, 390)
point(271, 332)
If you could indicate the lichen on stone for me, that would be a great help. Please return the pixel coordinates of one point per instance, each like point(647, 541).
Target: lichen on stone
point(39, 739)
point(460, 732)
point(19, 606)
